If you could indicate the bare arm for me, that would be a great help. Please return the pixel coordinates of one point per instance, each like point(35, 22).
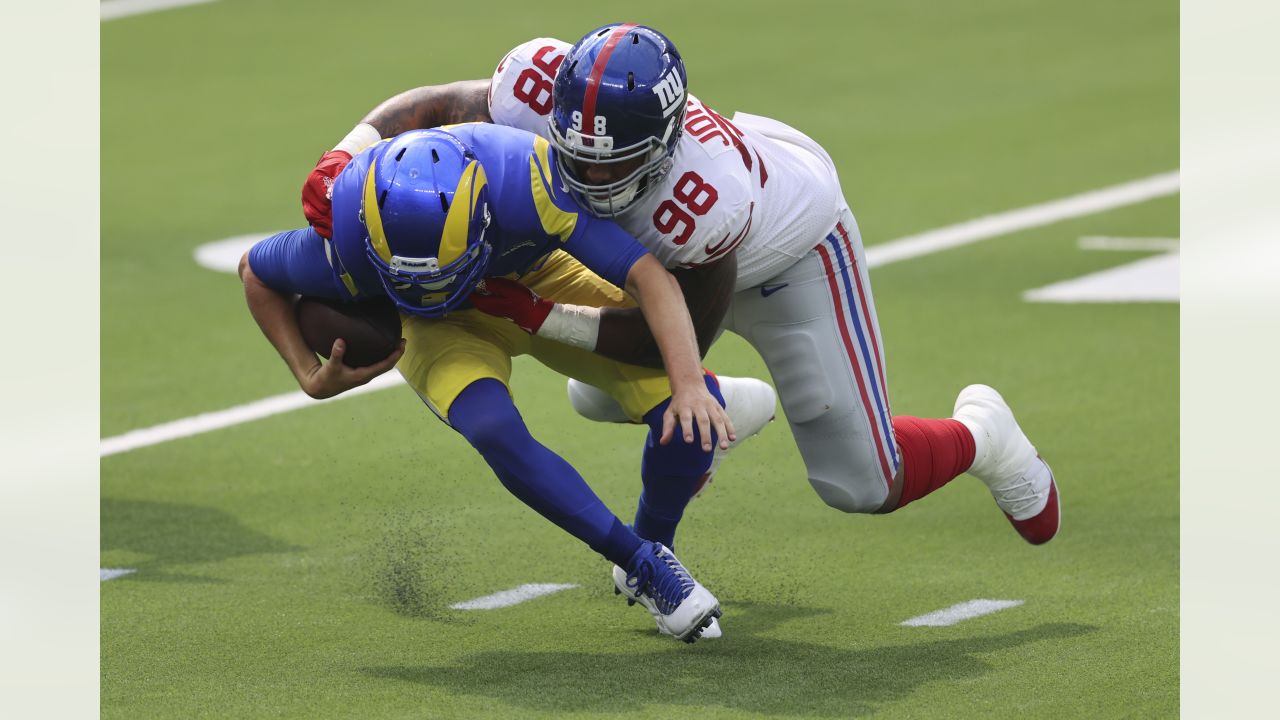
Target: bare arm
point(424, 107)
point(431, 106)
point(658, 294)
point(273, 311)
point(708, 290)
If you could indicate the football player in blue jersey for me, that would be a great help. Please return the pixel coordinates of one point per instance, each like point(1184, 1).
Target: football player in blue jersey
point(421, 219)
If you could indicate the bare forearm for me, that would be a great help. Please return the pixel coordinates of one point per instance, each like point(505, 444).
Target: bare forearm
point(625, 335)
point(273, 311)
point(431, 106)
point(658, 295)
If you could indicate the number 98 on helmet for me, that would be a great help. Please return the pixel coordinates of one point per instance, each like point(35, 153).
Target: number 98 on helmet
point(426, 207)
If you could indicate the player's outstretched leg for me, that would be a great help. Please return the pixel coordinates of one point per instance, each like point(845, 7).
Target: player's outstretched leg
point(934, 452)
point(485, 415)
point(680, 605)
point(671, 474)
point(1020, 481)
point(667, 471)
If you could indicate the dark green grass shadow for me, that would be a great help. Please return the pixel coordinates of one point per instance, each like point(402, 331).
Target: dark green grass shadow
point(746, 671)
point(169, 535)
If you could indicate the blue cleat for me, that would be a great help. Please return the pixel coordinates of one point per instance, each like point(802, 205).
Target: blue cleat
point(680, 605)
point(710, 632)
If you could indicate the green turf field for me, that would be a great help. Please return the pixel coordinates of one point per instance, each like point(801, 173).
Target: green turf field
point(303, 565)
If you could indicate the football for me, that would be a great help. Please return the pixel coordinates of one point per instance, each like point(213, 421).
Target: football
point(371, 328)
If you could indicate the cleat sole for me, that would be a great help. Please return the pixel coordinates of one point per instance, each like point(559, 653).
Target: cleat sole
point(696, 633)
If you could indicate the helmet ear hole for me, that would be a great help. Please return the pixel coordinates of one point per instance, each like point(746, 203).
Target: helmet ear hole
point(435, 158)
point(444, 203)
point(631, 81)
point(400, 154)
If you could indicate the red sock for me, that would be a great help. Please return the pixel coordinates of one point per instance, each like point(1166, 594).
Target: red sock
point(933, 453)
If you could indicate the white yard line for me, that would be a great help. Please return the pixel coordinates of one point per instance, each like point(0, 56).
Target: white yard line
point(990, 226)
point(113, 9)
point(1128, 244)
point(964, 611)
point(912, 246)
point(105, 574)
point(224, 255)
point(514, 596)
point(1149, 280)
point(256, 410)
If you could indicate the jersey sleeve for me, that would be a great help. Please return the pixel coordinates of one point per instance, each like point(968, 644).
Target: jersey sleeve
point(606, 249)
point(601, 245)
point(299, 261)
point(520, 90)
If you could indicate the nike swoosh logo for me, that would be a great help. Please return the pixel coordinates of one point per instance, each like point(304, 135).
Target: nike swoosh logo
point(766, 291)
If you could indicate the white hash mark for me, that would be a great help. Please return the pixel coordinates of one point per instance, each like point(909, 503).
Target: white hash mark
point(514, 596)
point(964, 611)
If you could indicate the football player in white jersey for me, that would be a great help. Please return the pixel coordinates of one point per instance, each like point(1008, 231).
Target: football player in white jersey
point(748, 213)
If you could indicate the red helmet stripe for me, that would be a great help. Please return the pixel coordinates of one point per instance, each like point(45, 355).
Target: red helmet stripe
point(597, 71)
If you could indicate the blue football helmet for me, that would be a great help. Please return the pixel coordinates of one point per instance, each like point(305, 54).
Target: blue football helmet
point(619, 97)
point(426, 207)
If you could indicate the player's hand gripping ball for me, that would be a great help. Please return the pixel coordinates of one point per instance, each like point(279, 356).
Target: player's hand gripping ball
point(370, 328)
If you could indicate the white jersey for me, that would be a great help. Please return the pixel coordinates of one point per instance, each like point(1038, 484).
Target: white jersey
point(749, 184)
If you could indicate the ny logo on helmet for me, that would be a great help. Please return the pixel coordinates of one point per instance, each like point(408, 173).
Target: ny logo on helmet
point(670, 92)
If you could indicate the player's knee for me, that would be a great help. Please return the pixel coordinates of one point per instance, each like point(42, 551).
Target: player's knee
point(847, 495)
point(595, 404)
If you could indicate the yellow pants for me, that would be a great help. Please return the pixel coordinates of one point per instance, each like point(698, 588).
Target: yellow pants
point(445, 355)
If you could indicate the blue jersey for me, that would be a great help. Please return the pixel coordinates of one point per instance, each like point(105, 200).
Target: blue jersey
point(531, 215)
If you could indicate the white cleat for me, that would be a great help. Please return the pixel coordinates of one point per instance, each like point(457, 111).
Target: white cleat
point(1006, 461)
point(750, 404)
point(681, 606)
point(710, 632)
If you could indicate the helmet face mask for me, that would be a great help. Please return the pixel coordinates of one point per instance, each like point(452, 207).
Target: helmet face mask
point(610, 198)
point(619, 96)
point(425, 208)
